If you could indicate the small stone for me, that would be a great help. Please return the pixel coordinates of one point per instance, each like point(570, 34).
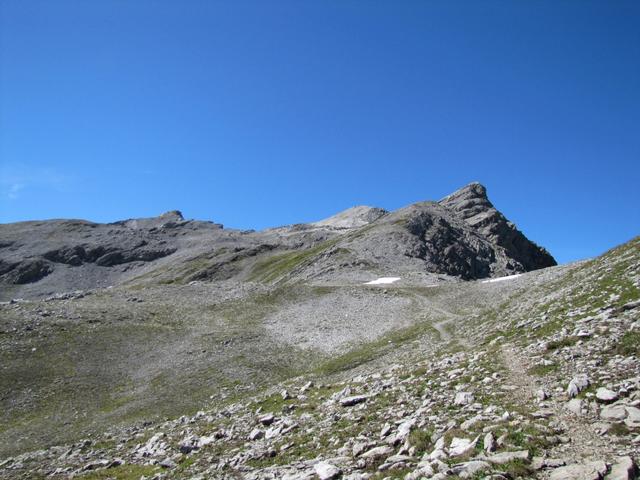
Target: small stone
point(574, 406)
point(605, 395)
point(386, 430)
point(613, 413)
point(377, 452)
point(470, 469)
point(256, 434)
point(267, 419)
point(187, 448)
point(506, 457)
point(541, 395)
point(405, 429)
point(326, 471)
point(358, 448)
point(468, 424)
point(490, 443)
point(353, 400)
point(577, 384)
point(463, 398)
point(633, 417)
point(538, 463)
point(585, 471)
point(399, 458)
point(168, 463)
point(623, 469)
point(96, 465)
point(542, 414)
point(438, 451)
point(116, 462)
point(461, 446)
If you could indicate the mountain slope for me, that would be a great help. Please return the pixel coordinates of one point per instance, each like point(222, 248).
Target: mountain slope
point(147, 318)
point(531, 377)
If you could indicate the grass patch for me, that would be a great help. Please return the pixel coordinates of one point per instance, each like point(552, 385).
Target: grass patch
point(396, 473)
point(629, 344)
point(590, 390)
point(562, 343)
point(421, 440)
point(123, 472)
point(618, 429)
point(274, 403)
point(275, 267)
point(542, 370)
point(528, 437)
point(517, 469)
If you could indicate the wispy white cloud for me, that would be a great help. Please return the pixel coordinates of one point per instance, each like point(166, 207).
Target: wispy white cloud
point(16, 180)
point(14, 190)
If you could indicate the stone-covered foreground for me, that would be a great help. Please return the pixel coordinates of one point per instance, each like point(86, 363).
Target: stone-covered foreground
point(462, 416)
point(544, 386)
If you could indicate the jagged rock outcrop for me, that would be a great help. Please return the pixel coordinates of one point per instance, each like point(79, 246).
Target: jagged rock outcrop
point(473, 206)
point(353, 217)
point(462, 236)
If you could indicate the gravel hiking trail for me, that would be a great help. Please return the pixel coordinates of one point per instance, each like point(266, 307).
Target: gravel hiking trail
point(581, 439)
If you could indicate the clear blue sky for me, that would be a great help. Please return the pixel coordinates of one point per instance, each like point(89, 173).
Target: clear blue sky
point(262, 113)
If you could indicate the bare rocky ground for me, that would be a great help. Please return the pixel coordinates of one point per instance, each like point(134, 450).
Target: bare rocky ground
point(291, 368)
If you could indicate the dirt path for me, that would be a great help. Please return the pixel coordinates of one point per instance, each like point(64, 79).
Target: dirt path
point(518, 376)
point(580, 441)
point(440, 326)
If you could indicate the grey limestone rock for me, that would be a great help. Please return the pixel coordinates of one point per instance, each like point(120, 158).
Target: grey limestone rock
point(594, 470)
point(624, 468)
point(605, 395)
point(473, 205)
point(577, 384)
point(326, 471)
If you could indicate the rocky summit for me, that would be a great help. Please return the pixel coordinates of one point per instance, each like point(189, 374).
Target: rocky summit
point(431, 342)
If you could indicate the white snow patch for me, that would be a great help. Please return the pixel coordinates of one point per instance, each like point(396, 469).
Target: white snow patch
point(383, 280)
point(502, 279)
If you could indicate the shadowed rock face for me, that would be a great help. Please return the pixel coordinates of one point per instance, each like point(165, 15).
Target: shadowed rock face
point(450, 250)
point(472, 205)
point(461, 236)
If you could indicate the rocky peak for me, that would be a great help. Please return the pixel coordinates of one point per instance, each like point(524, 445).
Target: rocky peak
point(473, 189)
point(352, 218)
point(472, 204)
point(168, 219)
point(471, 198)
point(175, 215)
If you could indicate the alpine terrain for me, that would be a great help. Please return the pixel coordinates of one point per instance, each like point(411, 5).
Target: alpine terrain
point(431, 342)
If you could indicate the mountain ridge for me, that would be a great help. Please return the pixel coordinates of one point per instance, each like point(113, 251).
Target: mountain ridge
point(461, 236)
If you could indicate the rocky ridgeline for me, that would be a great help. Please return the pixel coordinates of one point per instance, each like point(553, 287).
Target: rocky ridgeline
point(463, 236)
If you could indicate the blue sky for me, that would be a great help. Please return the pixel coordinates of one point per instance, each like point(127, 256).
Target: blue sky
point(255, 114)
